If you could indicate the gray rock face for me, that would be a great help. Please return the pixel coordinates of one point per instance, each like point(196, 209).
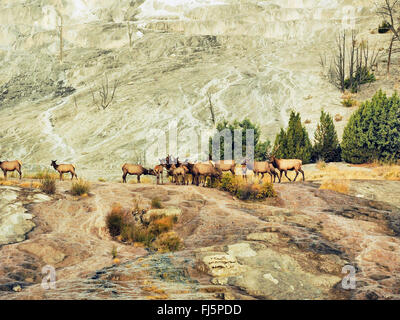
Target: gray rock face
point(15, 221)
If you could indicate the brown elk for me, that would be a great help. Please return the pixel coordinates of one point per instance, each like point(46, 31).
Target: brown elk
point(158, 170)
point(11, 166)
point(177, 172)
point(135, 170)
point(262, 167)
point(226, 165)
point(205, 170)
point(285, 165)
point(64, 168)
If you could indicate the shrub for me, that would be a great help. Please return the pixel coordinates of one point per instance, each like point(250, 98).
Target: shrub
point(80, 187)
point(373, 131)
point(156, 203)
point(48, 185)
point(121, 223)
point(115, 221)
point(338, 117)
point(384, 27)
point(246, 191)
point(362, 76)
point(168, 242)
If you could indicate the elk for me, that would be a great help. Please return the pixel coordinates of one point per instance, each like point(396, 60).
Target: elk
point(135, 170)
point(205, 170)
point(262, 167)
point(226, 165)
point(11, 166)
point(285, 165)
point(64, 168)
point(177, 172)
point(158, 170)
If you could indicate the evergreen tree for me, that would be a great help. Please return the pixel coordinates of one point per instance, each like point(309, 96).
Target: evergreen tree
point(260, 148)
point(373, 131)
point(293, 143)
point(326, 143)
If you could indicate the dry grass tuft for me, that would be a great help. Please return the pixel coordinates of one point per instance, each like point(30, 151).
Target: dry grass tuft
point(337, 185)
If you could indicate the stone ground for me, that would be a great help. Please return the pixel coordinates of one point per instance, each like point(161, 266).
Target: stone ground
point(292, 247)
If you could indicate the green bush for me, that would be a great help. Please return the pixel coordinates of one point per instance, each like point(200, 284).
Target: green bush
point(373, 131)
point(384, 27)
point(326, 143)
point(362, 76)
point(293, 143)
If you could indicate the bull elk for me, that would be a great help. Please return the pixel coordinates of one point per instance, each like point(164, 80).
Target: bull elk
point(11, 166)
point(64, 168)
point(135, 170)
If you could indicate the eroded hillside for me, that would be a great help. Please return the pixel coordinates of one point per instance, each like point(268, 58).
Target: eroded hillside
point(257, 59)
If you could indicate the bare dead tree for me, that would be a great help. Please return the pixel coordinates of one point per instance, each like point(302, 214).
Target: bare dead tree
point(60, 27)
point(389, 10)
point(105, 95)
point(209, 95)
point(130, 29)
point(351, 64)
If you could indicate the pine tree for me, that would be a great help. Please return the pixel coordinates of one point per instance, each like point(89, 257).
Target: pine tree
point(326, 143)
point(294, 143)
point(260, 148)
point(373, 131)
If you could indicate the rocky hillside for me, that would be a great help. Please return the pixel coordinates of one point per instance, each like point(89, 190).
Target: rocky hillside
point(255, 59)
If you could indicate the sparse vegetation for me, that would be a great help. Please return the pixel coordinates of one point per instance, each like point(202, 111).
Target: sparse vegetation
point(244, 190)
point(348, 100)
point(338, 185)
point(48, 185)
point(80, 187)
point(155, 233)
point(156, 203)
point(352, 63)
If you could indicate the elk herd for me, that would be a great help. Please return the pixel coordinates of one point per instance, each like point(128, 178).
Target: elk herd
point(200, 171)
point(180, 171)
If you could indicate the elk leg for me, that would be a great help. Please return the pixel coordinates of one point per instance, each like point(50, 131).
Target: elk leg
point(72, 175)
point(287, 176)
point(5, 174)
point(302, 172)
point(124, 177)
point(61, 176)
point(138, 178)
point(20, 174)
point(297, 173)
